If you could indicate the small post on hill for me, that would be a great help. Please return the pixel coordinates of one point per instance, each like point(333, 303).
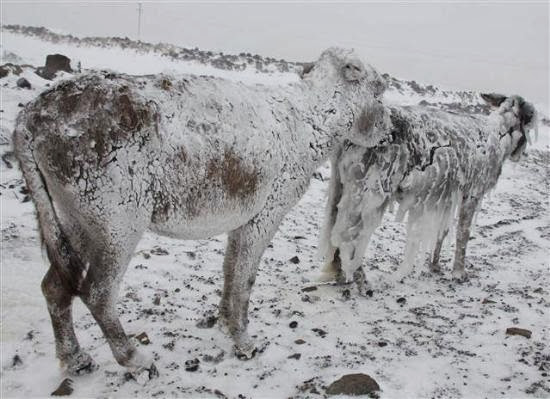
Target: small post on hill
point(139, 21)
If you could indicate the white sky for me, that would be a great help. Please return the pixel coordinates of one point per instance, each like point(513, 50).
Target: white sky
point(499, 46)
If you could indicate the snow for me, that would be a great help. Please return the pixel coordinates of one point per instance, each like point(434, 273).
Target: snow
point(445, 340)
point(33, 51)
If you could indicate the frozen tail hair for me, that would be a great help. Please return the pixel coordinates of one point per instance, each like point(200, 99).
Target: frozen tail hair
point(61, 254)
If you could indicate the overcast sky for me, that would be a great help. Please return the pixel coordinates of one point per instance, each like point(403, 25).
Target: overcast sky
point(499, 46)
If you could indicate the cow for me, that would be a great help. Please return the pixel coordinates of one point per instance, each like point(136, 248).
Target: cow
point(438, 163)
point(107, 156)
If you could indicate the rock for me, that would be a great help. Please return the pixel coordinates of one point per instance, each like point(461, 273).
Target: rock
point(296, 356)
point(143, 338)
point(320, 332)
point(207, 322)
point(16, 361)
point(346, 294)
point(299, 341)
point(156, 300)
point(54, 64)
point(401, 300)
point(293, 324)
point(23, 83)
point(518, 331)
point(214, 358)
point(354, 384)
point(487, 301)
point(309, 289)
point(192, 365)
point(310, 299)
point(294, 260)
point(8, 68)
point(153, 372)
point(159, 251)
point(64, 389)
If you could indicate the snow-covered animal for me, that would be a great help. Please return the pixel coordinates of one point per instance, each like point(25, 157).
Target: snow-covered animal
point(107, 156)
point(437, 161)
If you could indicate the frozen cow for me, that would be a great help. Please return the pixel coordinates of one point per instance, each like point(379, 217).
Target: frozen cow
point(438, 164)
point(107, 156)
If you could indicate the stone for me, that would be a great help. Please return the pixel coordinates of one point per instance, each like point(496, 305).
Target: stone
point(8, 68)
point(192, 365)
point(54, 64)
point(518, 331)
point(320, 332)
point(64, 389)
point(294, 260)
point(143, 338)
point(23, 83)
point(354, 384)
point(16, 361)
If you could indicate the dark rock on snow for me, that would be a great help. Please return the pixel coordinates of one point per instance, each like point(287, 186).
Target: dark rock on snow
point(23, 83)
point(8, 68)
point(518, 331)
point(192, 365)
point(64, 389)
point(143, 338)
point(54, 64)
point(354, 384)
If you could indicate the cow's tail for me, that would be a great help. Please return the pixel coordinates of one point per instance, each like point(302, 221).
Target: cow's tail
point(327, 252)
point(62, 256)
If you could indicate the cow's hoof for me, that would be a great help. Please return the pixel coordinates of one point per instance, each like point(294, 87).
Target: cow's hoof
point(435, 268)
point(80, 364)
point(142, 375)
point(138, 361)
point(246, 352)
point(459, 276)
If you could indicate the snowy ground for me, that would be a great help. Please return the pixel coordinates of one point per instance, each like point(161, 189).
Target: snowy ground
point(443, 340)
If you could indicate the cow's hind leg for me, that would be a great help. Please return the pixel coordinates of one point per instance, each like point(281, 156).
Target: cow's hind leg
point(100, 296)
point(466, 215)
point(434, 261)
point(59, 300)
point(109, 253)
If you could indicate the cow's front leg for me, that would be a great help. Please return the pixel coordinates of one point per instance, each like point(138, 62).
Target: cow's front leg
point(245, 247)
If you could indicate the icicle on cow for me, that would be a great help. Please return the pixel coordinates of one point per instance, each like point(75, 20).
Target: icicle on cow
point(437, 161)
point(107, 156)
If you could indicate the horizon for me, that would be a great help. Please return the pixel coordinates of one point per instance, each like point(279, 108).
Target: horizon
point(427, 42)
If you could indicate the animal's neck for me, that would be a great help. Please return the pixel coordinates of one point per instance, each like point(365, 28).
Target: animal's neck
point(330, 120)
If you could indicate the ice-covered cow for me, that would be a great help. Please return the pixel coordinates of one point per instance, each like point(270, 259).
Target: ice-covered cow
point(107, 156)
point(436, 162)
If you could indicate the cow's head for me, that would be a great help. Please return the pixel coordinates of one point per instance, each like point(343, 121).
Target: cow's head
point(518, 117)
point(362, 85)
point(336, 65)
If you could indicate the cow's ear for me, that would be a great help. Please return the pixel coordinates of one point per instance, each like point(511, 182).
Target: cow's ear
point(306, 68)
point(493, 99)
